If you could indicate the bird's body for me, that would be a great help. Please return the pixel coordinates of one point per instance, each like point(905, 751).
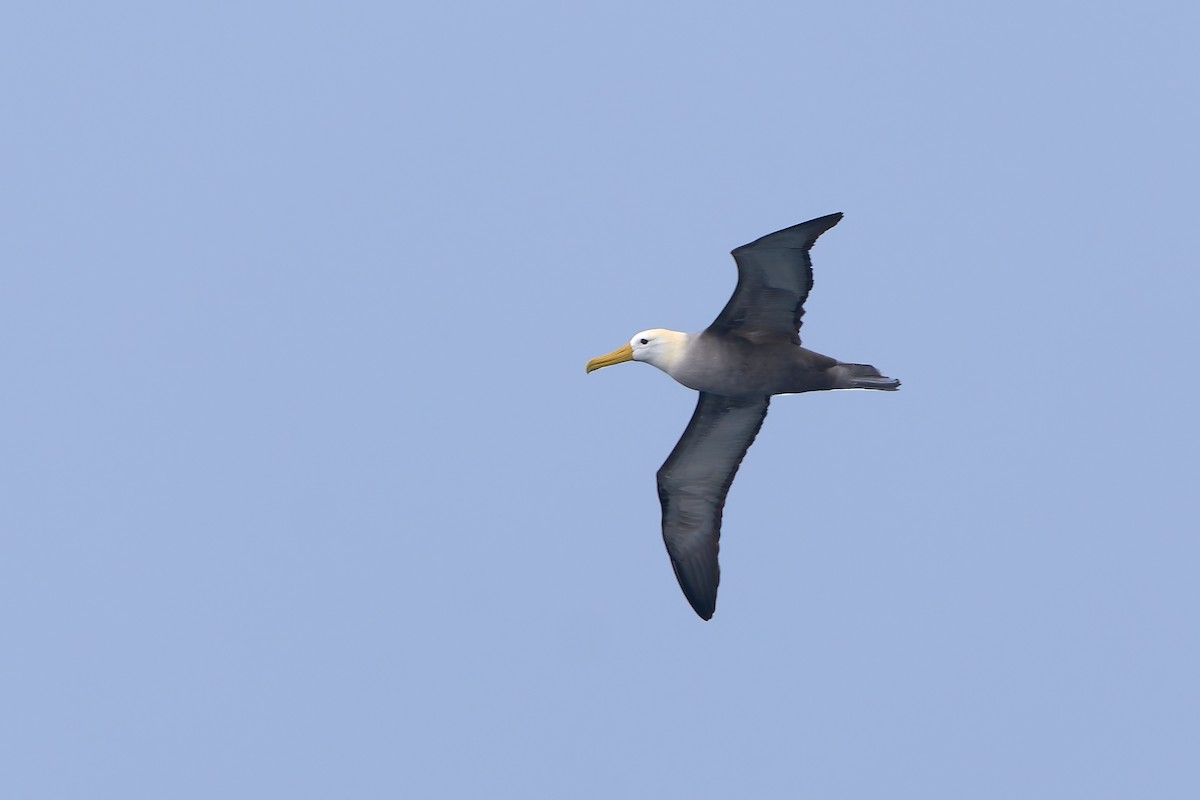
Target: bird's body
point(736, 367)
point(751, 352)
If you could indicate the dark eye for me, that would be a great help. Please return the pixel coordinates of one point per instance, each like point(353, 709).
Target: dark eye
point(645, 341)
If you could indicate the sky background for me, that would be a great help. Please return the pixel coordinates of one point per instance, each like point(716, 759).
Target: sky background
point(305, 494)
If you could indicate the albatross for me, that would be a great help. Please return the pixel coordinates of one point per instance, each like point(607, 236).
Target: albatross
point(750, 353)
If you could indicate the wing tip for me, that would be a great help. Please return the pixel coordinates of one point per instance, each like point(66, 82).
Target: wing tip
point(699, 584)
point(810, 230)
point(704, 607)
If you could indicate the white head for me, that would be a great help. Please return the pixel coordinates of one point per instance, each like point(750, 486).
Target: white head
point(657, 347)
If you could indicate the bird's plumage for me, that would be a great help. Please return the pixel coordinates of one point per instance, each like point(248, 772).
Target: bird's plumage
point(750, 352)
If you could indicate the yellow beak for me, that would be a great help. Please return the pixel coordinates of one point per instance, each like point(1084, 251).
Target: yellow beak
point(617, 356)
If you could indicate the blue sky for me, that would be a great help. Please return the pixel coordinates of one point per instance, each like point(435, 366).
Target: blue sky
point(306, 493)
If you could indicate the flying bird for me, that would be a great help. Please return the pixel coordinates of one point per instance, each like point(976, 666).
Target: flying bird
point(749, 353)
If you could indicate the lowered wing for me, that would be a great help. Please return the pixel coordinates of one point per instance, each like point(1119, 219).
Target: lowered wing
point(693, 483)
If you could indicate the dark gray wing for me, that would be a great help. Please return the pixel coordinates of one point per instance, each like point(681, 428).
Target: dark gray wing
point(692, 484)
point(774, 278)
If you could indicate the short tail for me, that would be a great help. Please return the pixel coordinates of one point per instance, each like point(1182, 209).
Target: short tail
point(862, 376)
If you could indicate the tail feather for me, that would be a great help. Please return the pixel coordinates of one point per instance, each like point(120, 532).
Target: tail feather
point(862, 376)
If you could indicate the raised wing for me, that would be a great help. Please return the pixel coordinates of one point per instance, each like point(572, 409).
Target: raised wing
point(692, 484)
point(774, 278)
